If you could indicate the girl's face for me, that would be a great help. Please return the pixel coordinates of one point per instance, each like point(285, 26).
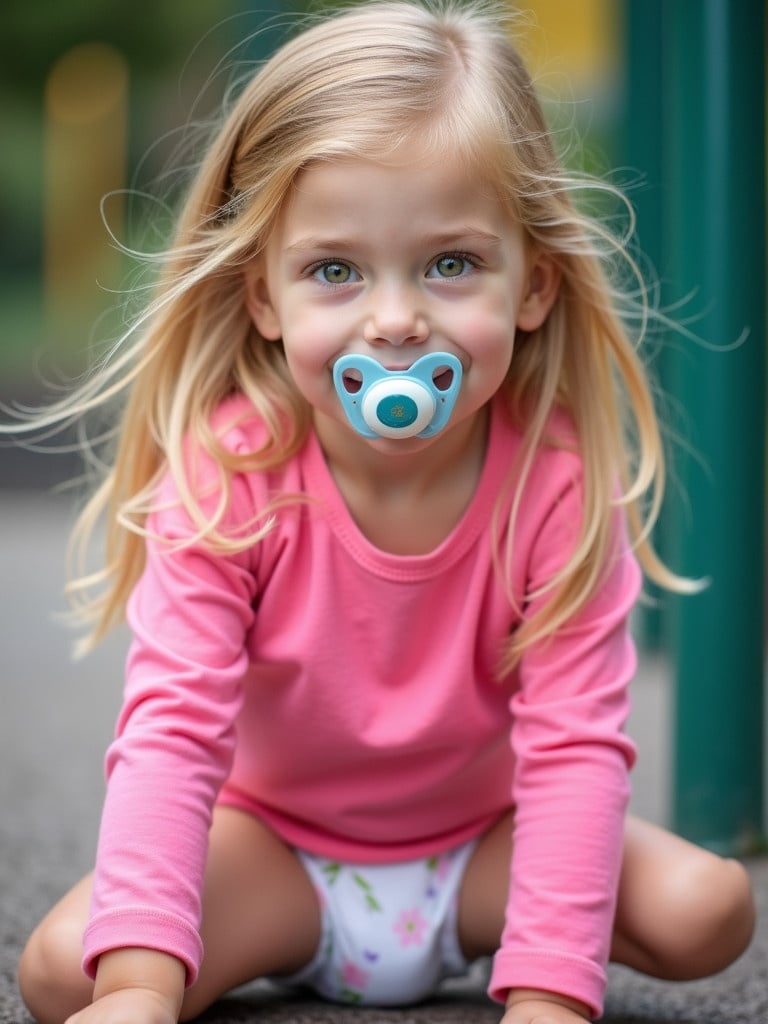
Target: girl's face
point(395, 261)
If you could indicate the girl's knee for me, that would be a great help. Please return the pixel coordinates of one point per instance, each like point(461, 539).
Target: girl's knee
point(737, 904)
point(51, 981)
point(683, 912)
point(710, 916)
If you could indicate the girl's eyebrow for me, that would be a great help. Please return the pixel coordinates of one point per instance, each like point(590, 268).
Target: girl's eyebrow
point(313, 243)
point(447, 239)
point(441, 240)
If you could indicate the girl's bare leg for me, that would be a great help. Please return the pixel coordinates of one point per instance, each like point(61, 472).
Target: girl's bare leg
point(260, 917)
point(682, 912)
point(51, 980)
point(261, 914)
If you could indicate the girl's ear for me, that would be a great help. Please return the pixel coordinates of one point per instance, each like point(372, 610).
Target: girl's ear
point(542, 288)
point(258, 301)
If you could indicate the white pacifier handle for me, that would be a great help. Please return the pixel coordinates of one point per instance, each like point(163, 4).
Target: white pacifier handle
point(398, 403)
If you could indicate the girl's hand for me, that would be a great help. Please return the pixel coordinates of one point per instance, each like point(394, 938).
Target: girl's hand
point(128, 1006)
point(533, 1007)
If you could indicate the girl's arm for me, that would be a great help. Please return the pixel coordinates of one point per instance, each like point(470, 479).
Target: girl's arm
point(190, 614)
point(571, 779)
point(138, 985)
point(530, 1006)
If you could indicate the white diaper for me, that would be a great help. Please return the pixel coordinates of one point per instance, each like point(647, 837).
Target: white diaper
point(389, 931)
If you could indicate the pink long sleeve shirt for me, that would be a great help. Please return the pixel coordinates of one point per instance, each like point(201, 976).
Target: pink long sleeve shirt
point(349, 697)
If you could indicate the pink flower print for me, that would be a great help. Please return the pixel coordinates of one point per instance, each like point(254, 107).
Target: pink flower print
point(354, 977)
point(410, 927)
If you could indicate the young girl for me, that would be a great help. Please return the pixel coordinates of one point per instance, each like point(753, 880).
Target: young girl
point(374, 516)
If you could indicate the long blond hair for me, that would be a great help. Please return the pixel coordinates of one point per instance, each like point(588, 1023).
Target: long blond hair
point(359, 84)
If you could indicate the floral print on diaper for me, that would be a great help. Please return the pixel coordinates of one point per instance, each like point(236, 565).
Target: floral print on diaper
point(407, 927)
point(353, 978)
point(438, 868)
point(410, 927)
point(353, 982)
point(367, 891)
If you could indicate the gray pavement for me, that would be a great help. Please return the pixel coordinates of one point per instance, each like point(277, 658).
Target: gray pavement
point(56, 718)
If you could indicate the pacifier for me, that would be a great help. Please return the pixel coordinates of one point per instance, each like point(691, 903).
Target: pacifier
point(398, 403)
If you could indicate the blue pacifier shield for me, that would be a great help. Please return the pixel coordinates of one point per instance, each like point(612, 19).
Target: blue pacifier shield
point(398, 403)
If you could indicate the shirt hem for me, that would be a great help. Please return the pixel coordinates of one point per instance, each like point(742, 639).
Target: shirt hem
point(142, 928)
point(302, 837)
point(561, 973)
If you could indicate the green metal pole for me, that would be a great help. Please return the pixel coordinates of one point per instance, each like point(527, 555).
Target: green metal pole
point(715, 145)
point(641, 150)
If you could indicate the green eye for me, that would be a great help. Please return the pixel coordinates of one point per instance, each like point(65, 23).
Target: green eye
point(450, 266)
point(334, 273)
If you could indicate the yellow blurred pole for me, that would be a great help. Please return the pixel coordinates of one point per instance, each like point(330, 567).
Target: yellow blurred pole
point(86, 131)
point(574, 39)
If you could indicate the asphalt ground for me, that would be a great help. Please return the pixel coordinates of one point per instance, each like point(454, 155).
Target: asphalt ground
point(56, 719)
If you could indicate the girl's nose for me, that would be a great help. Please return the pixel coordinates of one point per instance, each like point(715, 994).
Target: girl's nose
point(395, 319)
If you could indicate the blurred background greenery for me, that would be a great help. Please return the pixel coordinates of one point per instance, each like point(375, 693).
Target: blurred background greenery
point(98, 101)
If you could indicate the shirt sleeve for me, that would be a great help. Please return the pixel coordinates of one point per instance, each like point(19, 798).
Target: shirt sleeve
point(570, 788)
point(174, 743)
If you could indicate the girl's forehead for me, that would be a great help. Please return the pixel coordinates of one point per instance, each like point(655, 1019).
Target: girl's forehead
point(355, 201)
point(411, 161)
point(421, 183)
